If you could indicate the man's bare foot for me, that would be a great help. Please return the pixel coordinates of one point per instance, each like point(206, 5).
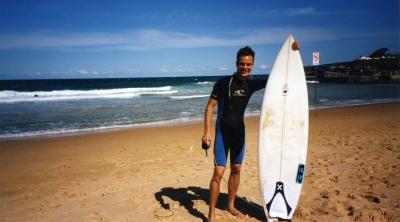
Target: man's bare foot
point(235, 212)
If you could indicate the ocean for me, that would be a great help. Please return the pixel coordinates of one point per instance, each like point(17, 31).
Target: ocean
point(31, 108)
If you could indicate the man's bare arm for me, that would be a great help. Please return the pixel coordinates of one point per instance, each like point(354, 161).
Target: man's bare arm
point(207, 120)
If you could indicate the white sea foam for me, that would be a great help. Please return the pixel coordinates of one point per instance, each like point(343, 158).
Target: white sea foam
point(205, 83)
point(111, 127)
point(9, 96)
point(188, 97)
point(176, 121)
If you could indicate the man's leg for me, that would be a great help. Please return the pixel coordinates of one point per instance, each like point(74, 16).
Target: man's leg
point(237, 154)
point(233, 185)
point(214, 191)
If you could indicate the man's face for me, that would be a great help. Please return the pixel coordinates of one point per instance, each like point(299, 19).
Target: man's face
point(244, 66)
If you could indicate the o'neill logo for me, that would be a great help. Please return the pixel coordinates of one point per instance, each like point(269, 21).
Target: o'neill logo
point(239, 93)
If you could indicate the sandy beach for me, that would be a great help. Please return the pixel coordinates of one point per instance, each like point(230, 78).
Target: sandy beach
point(161, 174)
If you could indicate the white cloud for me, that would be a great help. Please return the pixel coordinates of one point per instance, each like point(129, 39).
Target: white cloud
point(300, 11)
point(91, 72)
point(222, 69)
point(139, 40)
point(82, 72)
point(263, 66)
point(164, 70)
point(205, 69)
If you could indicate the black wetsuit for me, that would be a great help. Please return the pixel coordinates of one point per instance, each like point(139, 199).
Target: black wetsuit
point(232, 95)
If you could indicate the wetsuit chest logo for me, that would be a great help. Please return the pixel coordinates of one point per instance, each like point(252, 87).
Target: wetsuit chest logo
point(239, 92)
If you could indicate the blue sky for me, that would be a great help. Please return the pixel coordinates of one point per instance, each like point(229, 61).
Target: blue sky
point(101, 39)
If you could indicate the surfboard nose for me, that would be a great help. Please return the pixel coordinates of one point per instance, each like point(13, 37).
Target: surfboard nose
point(290, 38)
point(294, 44)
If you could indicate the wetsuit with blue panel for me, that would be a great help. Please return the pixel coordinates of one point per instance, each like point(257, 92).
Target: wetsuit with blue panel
point(232, 95)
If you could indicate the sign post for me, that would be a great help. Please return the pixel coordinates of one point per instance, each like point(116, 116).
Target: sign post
point(315, 61)
point(315, 58)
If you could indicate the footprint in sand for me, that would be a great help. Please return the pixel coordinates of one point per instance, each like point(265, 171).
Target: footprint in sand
point(334, 179)
point(122, 163)
point(350, 209)
point(123, 150)
point(162, 213)
point(351, 196)
point(199, 204)
point(302, 213)
point(324, 194)
point(372, 198)
point(95, 216)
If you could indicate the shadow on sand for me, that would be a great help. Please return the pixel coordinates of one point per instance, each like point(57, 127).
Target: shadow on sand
point(187, 196)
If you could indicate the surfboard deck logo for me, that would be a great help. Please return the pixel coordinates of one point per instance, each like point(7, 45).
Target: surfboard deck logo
point(279, 190)
point(283, 134)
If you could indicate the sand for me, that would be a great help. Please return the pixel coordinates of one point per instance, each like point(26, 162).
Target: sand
point(161, 174)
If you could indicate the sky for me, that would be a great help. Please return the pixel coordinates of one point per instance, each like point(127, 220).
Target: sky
point(103, 39)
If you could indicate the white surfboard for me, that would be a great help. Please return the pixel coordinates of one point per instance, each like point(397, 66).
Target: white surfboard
point(283, 134)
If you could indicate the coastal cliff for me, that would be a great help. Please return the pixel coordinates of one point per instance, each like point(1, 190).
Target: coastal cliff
point(379, 67)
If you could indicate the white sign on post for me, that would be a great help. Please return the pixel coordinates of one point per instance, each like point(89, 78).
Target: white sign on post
point(315, 58)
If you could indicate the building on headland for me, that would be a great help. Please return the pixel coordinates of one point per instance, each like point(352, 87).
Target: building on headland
point(381, 53)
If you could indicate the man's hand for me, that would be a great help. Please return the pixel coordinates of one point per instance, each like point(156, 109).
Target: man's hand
point(206, 139)
point(205, 143)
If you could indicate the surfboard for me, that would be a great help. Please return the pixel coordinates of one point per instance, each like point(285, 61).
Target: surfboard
point(283, 134)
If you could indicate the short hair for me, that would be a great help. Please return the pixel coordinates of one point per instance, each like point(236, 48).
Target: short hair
point(245, 51)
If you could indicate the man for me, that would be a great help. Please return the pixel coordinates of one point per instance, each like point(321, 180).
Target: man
point(232, 95)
